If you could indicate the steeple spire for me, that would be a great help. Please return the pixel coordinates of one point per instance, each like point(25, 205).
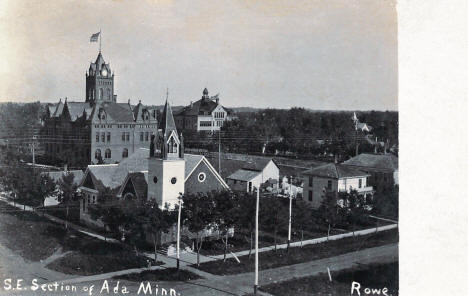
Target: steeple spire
point(167, 123)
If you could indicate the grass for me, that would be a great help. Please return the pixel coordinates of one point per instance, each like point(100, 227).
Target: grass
point(272, 259)
point(90, 264)
point(35, 238)
point(168, 274)
point(375, 276)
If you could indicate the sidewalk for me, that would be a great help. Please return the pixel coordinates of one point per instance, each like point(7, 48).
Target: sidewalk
point(187, 258)
point(60, 221)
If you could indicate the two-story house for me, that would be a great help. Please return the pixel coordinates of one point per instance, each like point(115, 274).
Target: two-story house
point(333, 177)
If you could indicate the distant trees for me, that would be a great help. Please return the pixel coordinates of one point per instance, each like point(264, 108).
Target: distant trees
point(296, 130)
point(273, 215)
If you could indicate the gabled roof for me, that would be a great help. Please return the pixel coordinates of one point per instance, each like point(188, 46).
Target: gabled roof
point(335, 171)
point(379, 161)
point(58, 109)
point(257, 165)
point(114, 175)
point(119, 112)
point(200, 107)
point(167, 124)
point(139, 181)
point(101, 175)
point(76, 109)
point(244, 175)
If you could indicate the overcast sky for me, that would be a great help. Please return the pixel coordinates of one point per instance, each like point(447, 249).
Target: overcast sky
point(326, 54)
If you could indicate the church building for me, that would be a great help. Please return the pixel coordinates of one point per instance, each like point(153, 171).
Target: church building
point(99, 130)
point(162, 173)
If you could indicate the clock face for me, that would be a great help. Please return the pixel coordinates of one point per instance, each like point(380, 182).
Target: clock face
point(104, 72)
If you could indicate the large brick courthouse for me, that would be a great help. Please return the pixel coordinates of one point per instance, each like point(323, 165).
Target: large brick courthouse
point(98, 130)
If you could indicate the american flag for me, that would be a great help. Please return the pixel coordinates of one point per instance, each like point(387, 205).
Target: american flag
point(94, 37)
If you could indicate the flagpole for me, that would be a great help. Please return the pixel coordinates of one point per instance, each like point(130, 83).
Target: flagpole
point(100, 39)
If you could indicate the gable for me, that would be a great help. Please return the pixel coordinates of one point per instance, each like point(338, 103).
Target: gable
point(194, 184)
point(88, 181)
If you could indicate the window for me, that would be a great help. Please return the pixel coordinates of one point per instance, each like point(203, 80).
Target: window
point(311, 181)
point(201, 177)
point(128, 137)
point(146, 136)
point(100, 94)
point(360, 183)
point(155, 179)
point(310, 195)
point(97, 154)
point(108, 136)
point(205, 123)
point(123, 137)
point(329, 185)
point(125, 153)
point(250, 186)
point(174, 180)
point(141, 136)
point(108, 153)
point(103, 137)
point(97, 137)
point(235, 181)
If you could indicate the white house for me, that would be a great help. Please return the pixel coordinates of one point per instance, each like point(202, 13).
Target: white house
point(333, 177)
point(253, 174)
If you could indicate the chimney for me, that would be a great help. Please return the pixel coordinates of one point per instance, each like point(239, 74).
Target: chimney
point(217, 100)
point(191, 104)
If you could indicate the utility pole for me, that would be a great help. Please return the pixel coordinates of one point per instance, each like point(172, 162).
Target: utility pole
point(178, 231)
point(256, 242)
point(219, 151)
point(290, 211)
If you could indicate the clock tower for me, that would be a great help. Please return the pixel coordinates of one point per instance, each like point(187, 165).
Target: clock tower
point(166, 165)
point(99, 82)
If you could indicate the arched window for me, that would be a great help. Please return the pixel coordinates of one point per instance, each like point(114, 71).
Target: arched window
point(108, 153)
point(172, 145)
point(125, 153)
point(108, 94)
point(97, 154)
point(100, 94)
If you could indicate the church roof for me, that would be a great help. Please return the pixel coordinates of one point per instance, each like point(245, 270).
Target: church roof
point(114, 175)
point(167, 123)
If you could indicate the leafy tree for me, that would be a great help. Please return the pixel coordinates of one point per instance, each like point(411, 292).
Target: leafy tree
point(385, 203)
point(354, 204)
point(156, 221)
point(274, 215)
point(301, 216)
point(67, 191)
point(329, 210)
point(226, 205)
point(198, 216)
point(245, 216)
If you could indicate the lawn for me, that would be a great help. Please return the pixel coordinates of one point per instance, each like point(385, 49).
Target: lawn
point(377, 276)
point(35, 238)
point(167, 274)
point(272, 259)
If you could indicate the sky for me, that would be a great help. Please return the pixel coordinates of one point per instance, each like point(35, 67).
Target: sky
point(327, 55)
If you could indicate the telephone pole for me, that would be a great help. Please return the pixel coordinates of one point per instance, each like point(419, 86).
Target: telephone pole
point(290, 210)
point(256, 242)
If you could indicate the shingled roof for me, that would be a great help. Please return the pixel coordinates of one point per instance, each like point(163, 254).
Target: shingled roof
point(378, 161)
point(335, 171)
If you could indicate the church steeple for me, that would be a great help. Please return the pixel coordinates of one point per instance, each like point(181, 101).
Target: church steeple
point(167, 144)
